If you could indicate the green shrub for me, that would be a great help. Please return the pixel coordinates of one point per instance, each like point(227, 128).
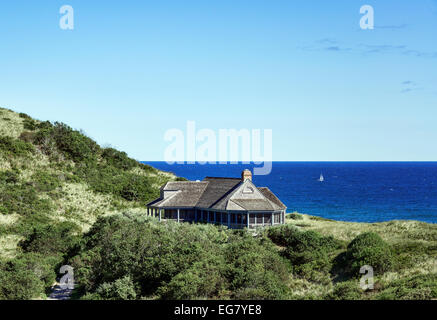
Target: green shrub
point(118, 159)
point(262, 287)
point(19, 285)
point(27, 276)
point(15, 147)
point(23, 199)
point(316, 218)
point(30, 124)
point(120, 289)
point(150, 254)
point(27, 136)
point(44, 181)
point(348, 290)
point(90, 296)
point(294, 216)
point(301, 241)
point(310, 253)
point(24, 115)
point(368, 249)
point(10, 176)
point(255, 264)
point(177, 261)
point(203, 280)
point(410, 253)
point(52, 238)
point(418, 287)
point(104, 178)
point(137, 188)
point(281, 235)
point(60, 137)
point(3, 210)
point(26, 224)
point(312, 241)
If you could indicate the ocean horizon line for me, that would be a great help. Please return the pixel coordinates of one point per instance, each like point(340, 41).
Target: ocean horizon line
point(302, 161)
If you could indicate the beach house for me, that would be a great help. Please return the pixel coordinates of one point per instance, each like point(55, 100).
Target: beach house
point(234, 202)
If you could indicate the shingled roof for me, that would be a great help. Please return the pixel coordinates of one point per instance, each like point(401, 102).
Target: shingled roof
point(217, 193)
point(217, 189)
point(181, 194)
point(271, 197)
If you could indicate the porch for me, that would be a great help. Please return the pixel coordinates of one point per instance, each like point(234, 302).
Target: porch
point(232, 219)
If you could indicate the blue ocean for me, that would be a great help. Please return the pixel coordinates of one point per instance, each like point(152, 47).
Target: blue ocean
point(351, 191)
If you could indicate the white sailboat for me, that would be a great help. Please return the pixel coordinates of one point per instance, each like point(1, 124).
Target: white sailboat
point(321, 179)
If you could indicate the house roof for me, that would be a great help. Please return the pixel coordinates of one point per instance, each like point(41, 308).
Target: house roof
point(217, 193)
point(254, 204)
point(181, 194)
point(217, 188)
point(271, 197)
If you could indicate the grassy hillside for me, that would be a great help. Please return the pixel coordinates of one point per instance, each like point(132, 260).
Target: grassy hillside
point(52, 175)
point(413, 247)
point(66, 200)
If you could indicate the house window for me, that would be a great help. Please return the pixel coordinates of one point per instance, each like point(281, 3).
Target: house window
point(239, 219)
point(259, 218)
point(277, 218)
point(248, 189)
point(167, 214)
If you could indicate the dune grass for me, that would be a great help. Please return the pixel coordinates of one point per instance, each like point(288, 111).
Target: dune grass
point(8, 245)
point(413, 243)
point(392, 231)
point(11, 124)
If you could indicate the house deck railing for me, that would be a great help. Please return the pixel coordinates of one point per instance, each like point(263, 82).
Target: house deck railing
point(233, 220)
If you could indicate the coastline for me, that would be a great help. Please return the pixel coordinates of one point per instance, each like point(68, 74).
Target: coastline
point(351, 191)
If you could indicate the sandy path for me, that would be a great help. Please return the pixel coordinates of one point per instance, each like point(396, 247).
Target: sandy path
point(58, 293)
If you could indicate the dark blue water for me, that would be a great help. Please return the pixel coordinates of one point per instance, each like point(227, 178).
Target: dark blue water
point(352, 191)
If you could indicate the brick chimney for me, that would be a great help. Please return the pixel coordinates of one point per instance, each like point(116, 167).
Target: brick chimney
point(246, 174)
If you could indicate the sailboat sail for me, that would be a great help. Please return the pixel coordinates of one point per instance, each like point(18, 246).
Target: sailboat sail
point(321, 179)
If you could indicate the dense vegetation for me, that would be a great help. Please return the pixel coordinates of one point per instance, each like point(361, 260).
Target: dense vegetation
point(104, 170)
point(54, 183)
point(176, 261)
point(368, 249)
point(66, 200)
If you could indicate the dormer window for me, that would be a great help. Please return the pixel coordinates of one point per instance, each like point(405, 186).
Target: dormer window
point(248, 189)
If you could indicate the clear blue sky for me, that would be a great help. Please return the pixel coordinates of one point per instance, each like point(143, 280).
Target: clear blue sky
point(133, 69)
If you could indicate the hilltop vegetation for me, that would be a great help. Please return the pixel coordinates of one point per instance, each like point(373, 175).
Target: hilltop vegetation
point(54, 183)
point(66, 200)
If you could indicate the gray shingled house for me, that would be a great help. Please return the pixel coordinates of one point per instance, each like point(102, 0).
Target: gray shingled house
point(235, 202)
